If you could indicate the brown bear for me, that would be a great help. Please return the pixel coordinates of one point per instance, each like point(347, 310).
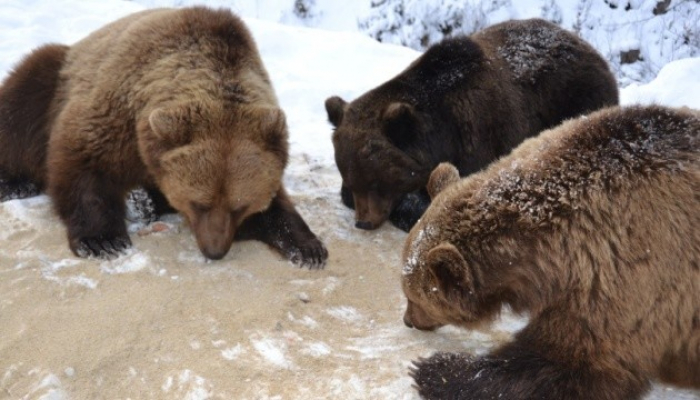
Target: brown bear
point(591, 229)
point(467, 101)
point(175, 100)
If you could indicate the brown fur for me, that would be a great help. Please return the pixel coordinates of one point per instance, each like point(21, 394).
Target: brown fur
point(26, 116)
point(442, 176)
point(177, 101)
point(467, 101)
point(591, 228)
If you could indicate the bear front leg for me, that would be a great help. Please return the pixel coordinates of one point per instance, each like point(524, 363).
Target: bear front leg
point(281, 227)
point(518, 374)
point(92, 208)
point(346, 197)
point(682, 367)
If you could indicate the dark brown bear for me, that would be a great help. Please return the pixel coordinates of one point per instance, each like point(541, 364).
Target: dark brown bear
point(467, 101)
point(175, 100)
point(592, 230)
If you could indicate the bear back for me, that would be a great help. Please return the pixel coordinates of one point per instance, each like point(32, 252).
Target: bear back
point(168, 56)
point(549, 177)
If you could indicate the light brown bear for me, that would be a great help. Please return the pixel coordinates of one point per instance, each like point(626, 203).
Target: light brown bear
point(467, 100)
point(591, 229)
point(175, 100)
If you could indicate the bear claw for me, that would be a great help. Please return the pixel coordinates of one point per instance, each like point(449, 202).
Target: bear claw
point(102, 247)
point(441, 375)
point(17, 190)
point(311, 256)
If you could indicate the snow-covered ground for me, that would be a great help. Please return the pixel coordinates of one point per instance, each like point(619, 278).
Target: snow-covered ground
point(637, 37)
point(163, 323)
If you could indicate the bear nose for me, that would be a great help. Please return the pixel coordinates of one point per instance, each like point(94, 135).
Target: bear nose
point(214, 254)
point(407, 322)
point(366, 225)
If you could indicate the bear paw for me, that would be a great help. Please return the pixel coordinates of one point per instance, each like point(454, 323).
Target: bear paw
point(442, 376)
point(311, 254)
point(409, 210)
point(10, 190)
point(140, 207)
point(102, 247)
point(521, 375)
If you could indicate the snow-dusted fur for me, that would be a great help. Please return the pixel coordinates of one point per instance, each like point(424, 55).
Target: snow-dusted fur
point(591, 228)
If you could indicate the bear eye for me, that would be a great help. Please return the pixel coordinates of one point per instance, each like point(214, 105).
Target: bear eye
point(199, 207)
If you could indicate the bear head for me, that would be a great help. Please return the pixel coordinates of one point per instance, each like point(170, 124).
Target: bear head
point(442, 283)
point(376, 144)
point(388, 140)
point(216, 165)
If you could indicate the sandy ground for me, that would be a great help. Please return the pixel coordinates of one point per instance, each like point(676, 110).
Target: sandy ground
point(161, 322)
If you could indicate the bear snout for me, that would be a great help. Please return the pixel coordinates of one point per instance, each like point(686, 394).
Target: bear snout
point(416, 318)
point(366, 225)
point(215, 247)
point(214, 254)
point(214, 231)
point(371, 210)
point(407, 321)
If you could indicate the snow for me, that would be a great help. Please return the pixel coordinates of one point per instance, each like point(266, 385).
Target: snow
point(345, 314)
point(272, 351)
point(610, 27)
point(232, 353)
point(676, 85)
point(309, 59)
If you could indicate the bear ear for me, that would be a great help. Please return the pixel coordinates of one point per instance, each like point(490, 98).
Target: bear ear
point(172, 125)
point(442, 176)
point(448, 268)
point(400, 124)
point(335, 107)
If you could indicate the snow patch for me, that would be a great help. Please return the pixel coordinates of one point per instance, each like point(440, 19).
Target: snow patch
point(306, 321)
point(331, 285)
point(132, 261)
point(190, 386)
point(317, 349)
point(677, 85)
point(232, 353)
point(49, 388)
point(272, 351)
point(51, 271)
point(345, 313)
point(509, 322)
